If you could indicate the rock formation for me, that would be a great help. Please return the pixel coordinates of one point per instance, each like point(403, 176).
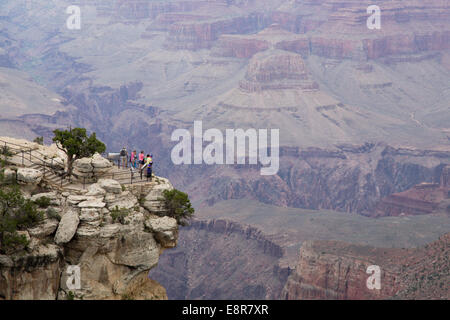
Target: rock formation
point(114, 234)
point(234, 261)
point(423, 198)
point(276, 71)
point(336, 270)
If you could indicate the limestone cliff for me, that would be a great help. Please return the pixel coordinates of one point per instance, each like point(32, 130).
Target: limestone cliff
point(114, 233)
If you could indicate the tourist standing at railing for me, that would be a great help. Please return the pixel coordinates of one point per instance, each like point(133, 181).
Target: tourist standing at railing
point(124, 157)
point(141, 160)
point(133, 159)
point(149, 165)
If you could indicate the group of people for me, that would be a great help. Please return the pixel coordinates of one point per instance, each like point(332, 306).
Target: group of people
point(137, 161)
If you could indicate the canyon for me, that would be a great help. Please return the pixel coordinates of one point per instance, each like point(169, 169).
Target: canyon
point(363, 118)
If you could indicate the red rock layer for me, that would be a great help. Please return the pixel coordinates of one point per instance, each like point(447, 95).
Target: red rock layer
point(336, 270)
point(276, 70)
point(424, 198)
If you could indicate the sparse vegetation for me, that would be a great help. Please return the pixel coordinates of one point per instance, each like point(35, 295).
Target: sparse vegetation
point(141, 200)
point(39, 140)
point(70, 295)
point(119, 214)
point(77, 144)
point(126, 296)
point(16, 213)
point(6, 151)
point(53, 214)
point(178, 206)
point(43, 202)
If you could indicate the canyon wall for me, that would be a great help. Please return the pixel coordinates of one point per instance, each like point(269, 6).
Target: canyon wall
point(423, 198)
point(335, 270)
point(220, 259)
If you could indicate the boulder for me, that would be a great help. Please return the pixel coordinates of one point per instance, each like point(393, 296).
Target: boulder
point(76, 199)
point(136, 249)
point(95, 190)
point(152, 201)
point(67, 227)
point(83, 165)
point(99, 163)
point(29, 176)
point(110, 185)
point(126, 200)
point(9, 175)
point(165, 229)
point(89, 214)
point(44, 229)
point(54, 200)
point(95, 203)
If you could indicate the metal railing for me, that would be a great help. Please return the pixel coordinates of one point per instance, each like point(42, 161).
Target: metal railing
point(129, 175)
point(53, 166)
point(23, 149)
point(125, 177)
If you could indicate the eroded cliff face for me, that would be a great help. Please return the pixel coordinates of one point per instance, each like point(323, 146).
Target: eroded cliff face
point(423, 198)
point(350, 178)
point(221, 259)
point(114, 234)
point(336, 270)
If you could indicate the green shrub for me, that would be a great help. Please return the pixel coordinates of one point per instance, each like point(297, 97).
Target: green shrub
point(6, 151)
point(16, 213)
point(53, 214)
point(39, 140)
point(119, 214)
point(126, 296)
point(70, 295)
point(42, 202)
point(178, 206)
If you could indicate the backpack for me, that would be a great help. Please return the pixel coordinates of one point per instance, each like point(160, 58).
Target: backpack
point(123, 153)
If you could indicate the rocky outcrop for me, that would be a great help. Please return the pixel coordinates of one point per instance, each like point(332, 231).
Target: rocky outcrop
point(199, 35)
point(91, 168)
point(29, 176)
point(276, 70)
point(104, 231)
point(152, 200)
point(336, 270)
point(67, 227)
point(165, 230)
point(424, 198)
